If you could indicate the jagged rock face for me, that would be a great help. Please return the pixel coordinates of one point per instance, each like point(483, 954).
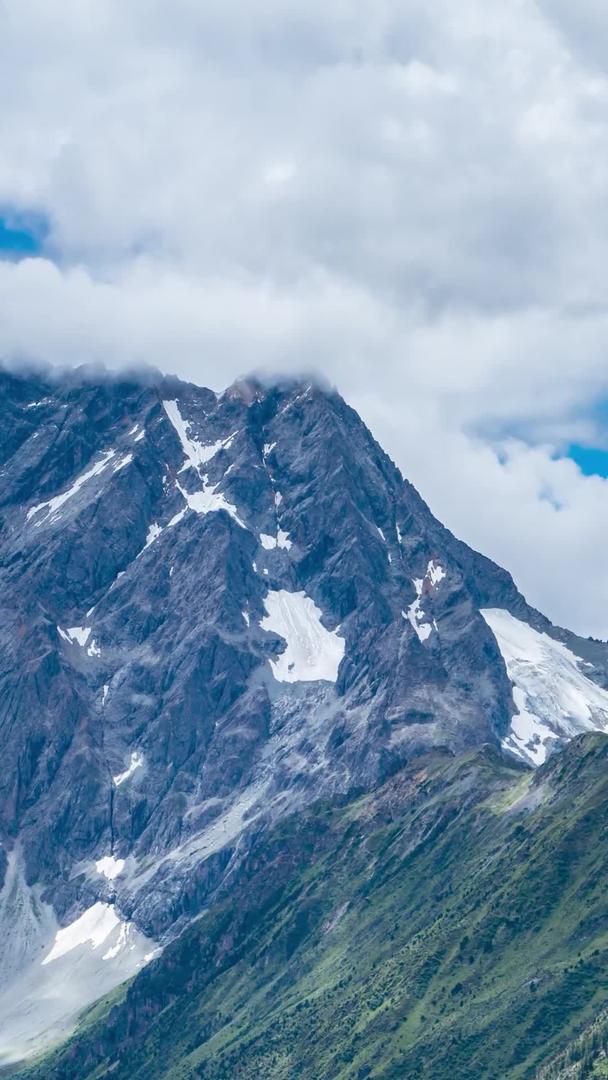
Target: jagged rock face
point(214, 611)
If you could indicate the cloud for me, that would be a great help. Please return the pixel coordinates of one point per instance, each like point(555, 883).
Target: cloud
point(410, 200)
point(584, 27)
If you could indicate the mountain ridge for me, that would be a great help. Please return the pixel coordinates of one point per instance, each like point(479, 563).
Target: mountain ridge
point(218, 610)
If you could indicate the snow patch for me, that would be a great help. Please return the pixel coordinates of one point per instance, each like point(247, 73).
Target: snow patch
point(121, 942)
point(435, 573)
point(126, 460)
point(554, 698)
point(384, 540)
point(139, 434)
point(52, 506)
point(176, 518)
point(245, 616)
point(78, 634)
point(94, 926)
point(152, 954)
point(312, 652)
point(209, 500)
point(46, 979)
point(281, 540)
point(196, 453)
point(154, 531)
point(110, 867)
point(415, 614)
point(136, 762)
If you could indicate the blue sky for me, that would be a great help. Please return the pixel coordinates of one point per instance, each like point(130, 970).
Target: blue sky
point(408, 198)
point(18, 241)
point(591, 460)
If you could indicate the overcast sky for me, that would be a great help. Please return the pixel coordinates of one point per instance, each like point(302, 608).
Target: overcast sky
point(409, 196)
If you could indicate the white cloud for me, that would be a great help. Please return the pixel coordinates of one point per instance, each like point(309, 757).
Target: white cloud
point(408, 197)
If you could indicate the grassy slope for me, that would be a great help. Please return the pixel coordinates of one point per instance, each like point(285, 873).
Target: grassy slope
point(454, 924)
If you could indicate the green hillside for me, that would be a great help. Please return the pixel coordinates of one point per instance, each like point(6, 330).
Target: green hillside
point(451, 926)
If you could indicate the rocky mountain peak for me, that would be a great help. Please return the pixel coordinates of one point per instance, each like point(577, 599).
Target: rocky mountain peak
point(217, 609)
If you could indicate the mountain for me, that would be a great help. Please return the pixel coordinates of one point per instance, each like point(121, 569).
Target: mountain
point(450, 925)
point(221, 614)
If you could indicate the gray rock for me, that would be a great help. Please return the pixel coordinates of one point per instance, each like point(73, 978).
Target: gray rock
point(139, 714)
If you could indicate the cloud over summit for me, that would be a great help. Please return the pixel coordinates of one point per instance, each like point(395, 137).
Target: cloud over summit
point(408, 197)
